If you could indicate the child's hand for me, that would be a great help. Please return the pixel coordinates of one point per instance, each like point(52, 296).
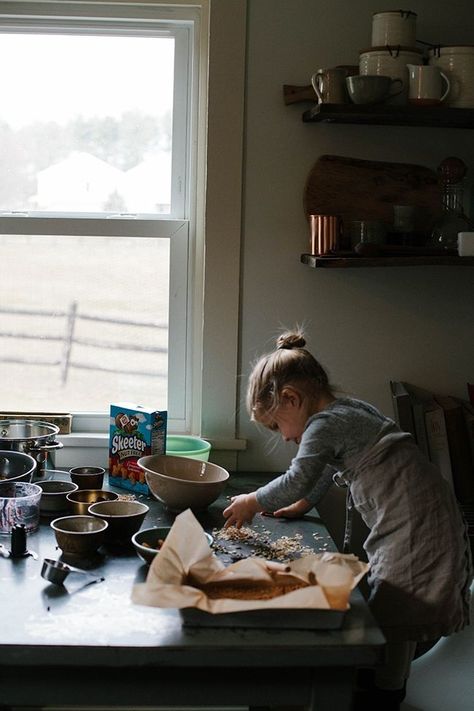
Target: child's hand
point(299, 508)
point(242, 510)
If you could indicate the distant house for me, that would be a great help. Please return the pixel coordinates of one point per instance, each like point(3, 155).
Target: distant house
point(83, 183)
point(147, 186)
point(80, 182)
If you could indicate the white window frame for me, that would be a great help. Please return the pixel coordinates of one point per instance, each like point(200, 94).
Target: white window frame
point(213, 252)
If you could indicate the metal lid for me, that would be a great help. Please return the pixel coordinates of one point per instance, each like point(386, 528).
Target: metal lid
point(402, 13)
point(392, 49)
point(14, 430)
point(448, 48)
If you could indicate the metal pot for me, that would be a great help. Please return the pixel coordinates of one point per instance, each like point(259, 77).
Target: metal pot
point(31, 437)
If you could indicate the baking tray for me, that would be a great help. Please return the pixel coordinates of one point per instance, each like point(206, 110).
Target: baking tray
point(275, 618)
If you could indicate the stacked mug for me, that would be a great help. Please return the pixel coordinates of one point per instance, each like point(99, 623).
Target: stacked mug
point(393, 50)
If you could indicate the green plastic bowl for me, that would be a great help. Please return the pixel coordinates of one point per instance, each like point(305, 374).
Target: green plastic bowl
point(187, 446)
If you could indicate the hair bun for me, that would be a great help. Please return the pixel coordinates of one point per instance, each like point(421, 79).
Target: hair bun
point(288, 341)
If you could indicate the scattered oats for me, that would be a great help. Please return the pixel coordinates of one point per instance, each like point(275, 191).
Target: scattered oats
point(126, 497)
point(282, 549)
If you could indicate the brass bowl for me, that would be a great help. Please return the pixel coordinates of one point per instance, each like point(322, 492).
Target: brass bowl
point(124, 518)
point(79, 535)
point(80, 500)
point(87, 477)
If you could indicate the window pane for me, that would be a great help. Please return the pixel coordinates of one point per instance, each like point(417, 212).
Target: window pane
point(90, 318)
point(86, 123)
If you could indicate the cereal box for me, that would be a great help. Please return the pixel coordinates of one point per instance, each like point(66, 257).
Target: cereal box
point(135, 431)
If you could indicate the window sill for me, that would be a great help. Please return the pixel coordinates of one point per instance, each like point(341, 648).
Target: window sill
point(92, 449)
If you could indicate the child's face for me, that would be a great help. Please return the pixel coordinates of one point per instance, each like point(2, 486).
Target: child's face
point(289, 419)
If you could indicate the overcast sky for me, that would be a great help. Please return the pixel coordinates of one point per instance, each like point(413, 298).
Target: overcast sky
point(57, 77)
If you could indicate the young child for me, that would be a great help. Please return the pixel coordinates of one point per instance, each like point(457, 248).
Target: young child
point(417, 546)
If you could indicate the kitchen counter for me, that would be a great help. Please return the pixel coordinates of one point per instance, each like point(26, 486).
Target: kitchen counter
point(90, 645)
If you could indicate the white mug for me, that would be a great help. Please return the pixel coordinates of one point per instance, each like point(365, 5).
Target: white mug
point(425, 85)
point(330, 85)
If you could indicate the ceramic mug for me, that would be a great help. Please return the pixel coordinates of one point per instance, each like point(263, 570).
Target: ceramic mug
point(330, 85)
point(372, 88)
point(427, 85)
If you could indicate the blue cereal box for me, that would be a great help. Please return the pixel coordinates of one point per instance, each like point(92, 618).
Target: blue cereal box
point(135, 431)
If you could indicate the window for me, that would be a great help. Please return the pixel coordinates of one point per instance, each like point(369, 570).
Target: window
point(198, 240)
point(97, 206)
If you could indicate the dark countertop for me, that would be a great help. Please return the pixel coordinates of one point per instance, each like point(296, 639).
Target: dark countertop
point(45, 626)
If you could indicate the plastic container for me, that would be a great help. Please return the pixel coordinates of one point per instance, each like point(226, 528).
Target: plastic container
point(187, 446)
point(19, 504)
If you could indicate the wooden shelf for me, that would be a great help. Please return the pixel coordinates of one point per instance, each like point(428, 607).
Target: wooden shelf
point(336, 262)
point(384, 115)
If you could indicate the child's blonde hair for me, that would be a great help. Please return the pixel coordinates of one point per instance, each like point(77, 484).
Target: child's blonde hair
point(289, 364)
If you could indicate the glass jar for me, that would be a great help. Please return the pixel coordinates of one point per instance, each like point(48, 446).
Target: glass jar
point(452, 221)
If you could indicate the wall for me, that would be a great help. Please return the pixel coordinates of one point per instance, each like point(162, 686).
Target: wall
point(366, 325)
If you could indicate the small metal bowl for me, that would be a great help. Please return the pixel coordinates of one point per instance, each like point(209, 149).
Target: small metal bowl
point(54, 496)
point(79, 535)
point(147, 541)
point(124, 518)
point(79, 501)
point(87, 477)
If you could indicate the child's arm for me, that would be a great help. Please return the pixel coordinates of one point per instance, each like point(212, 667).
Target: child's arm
point(242, 510)
point(299, 508)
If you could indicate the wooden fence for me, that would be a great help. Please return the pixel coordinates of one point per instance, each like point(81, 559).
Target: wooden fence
point(72, 317)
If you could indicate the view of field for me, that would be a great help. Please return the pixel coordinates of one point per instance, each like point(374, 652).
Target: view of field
point(114, 349)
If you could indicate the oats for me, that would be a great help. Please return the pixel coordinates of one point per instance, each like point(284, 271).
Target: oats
point(282, 549)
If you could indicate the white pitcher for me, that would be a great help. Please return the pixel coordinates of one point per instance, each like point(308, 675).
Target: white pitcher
point(427, 85)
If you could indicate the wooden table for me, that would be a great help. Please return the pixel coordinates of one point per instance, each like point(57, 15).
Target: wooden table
point(90, 645)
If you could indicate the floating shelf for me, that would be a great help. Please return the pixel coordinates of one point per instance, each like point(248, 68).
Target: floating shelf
point(384, 115)
point(338, 262)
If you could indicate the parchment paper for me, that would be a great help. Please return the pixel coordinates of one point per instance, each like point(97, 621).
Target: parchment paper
point(186, 559)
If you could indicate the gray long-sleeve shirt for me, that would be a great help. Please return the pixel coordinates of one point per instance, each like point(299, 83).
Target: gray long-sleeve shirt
point(345, 428)
point(417, 546)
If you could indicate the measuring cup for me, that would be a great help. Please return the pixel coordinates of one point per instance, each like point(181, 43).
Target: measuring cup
point(56, 572)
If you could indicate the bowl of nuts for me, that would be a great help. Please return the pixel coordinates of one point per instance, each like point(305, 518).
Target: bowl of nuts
point(148, 542)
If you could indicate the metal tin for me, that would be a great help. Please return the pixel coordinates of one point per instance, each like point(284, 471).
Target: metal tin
point(326, 232)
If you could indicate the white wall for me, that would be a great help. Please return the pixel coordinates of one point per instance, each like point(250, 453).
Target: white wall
point(366, 325)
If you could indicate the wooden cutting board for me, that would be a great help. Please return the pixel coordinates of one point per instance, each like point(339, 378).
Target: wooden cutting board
point(367, 190)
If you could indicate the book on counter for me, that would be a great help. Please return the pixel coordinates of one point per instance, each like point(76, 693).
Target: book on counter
point(433, 437)
point(418, 399)
point(444, 431)
point(402, 407)
point(459, 448)
point(470, 392)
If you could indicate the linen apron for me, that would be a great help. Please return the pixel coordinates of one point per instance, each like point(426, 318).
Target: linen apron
point(417, 546)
